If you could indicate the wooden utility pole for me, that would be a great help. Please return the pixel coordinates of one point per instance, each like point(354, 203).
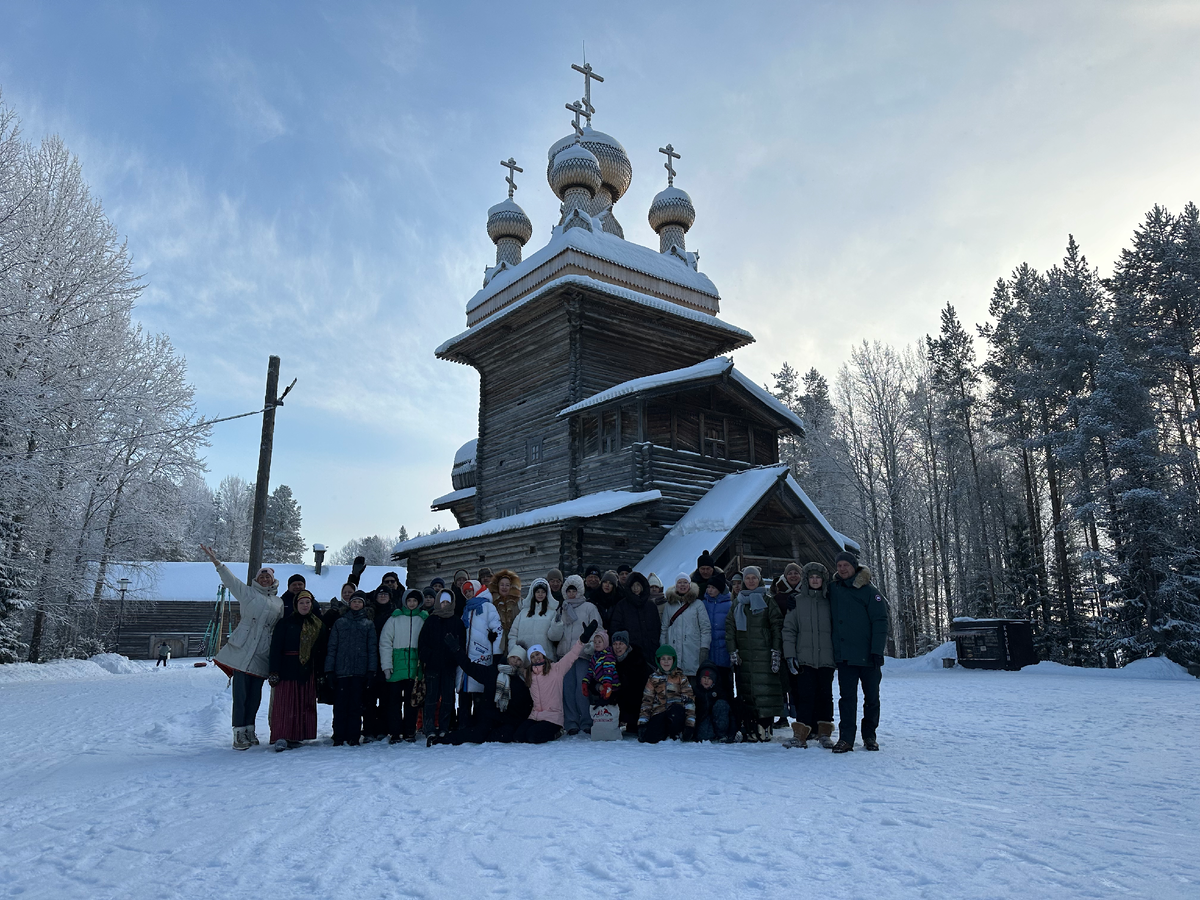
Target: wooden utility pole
point(262, 484)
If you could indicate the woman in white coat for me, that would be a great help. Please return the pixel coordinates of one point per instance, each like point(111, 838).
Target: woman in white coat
point(686, 626)
point(484, 633)
point(534, 619)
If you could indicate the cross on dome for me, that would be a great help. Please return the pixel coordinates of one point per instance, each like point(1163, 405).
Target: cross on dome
point(579, 111)
point(586, 71)
point(671, 156)
point(511, 165)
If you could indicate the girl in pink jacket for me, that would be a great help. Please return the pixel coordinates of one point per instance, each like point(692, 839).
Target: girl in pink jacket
point(545, 723)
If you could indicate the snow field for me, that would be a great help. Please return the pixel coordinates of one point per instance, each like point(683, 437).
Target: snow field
point(1051, 782)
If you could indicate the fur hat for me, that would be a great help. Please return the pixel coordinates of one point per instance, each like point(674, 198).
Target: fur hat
point(611, 577)
point(815, 568)
point(705, 559)
point(485, 573)
point(654, 581)
point(573, 581)
point(848, 557)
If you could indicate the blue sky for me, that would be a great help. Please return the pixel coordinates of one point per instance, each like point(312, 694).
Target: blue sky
point(312, 180)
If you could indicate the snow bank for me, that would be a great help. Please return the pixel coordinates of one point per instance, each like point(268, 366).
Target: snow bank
point(102, 665)
point(116, 664)
point(928, 662)
point(1154, 668)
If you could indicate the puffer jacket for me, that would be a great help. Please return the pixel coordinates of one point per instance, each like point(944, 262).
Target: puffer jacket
point(398, 644)
point(528, 630)
point(547, 689)
point(566, 635)
point(757, 686)
point(808, 629)
point(685, 627)
point(665, 690)
point(353, 648)
point(249, 647)
point(860, 619)
point(639, 615)
point(480, 648)
point(717, 609)
point(431, 644)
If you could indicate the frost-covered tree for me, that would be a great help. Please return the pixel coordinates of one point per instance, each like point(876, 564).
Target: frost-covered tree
point(282, 541)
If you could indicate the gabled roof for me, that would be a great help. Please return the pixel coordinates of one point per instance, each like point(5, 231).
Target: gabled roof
point(718, 514)
point(587, 507)
point(711, 370)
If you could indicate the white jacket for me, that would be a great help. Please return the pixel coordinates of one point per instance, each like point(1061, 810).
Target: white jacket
point(528, 630)
point(249, 647)
point(399, 633)
point(688, 633)
point(479, 648)
point(567, 636)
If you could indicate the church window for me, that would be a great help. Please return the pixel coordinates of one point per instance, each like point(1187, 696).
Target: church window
point(533, 451)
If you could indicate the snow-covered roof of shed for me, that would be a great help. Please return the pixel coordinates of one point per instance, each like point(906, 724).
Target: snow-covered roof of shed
point(612, 290)
point(587, 507)
point(711, 520)
point(199, 580)
point(452, 497)
point(710, 368)
point(602, 245)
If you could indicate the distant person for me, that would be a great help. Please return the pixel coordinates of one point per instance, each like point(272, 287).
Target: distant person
point(505, 703)
point(246, 656)
point(638, 616)
point(482, 624)
point(624, 570)
point(860, 626)
point(382, 603)
point(295, 584)
point(754, 636)
point(605, 599)
point(352, 659)
point(714, 707)
point(164, 654)
point(685, 625)
point(808, 649)
point(505, 588)
point(554, 578)
point(705, 569)
point(297, 650)
point(400, 666)
point(633, 670)
point(717, 603)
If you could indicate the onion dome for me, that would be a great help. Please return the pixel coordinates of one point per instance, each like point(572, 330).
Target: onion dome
point(671, 207)
point(574, 167)
point(507, 220)
point(616, 173)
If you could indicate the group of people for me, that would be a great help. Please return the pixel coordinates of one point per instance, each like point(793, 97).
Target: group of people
point(713, 657)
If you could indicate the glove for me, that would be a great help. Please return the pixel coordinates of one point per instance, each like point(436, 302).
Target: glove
point(584, 687)
point(605, 691)
point(734, 658)
point(776, 658)
point(588, 630)
point(688, 734)
point(703, 656)
point(876, 659)
point(450, 641)
point(793, 666)
point(492, 635)
point(273, 679)
point(356, 570)
point(387, 674)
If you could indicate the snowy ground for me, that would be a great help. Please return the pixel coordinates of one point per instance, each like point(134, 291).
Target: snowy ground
point(1047, 783)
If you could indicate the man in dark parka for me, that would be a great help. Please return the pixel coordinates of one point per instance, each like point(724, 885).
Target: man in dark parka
point(860, 626)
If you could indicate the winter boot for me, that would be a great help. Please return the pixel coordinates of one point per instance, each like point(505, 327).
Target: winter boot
point(843, 747)
point(251, 736)
point(280, 745)
point(800, 733)
point(825, 734)
point(868, 737)
point(241, 741)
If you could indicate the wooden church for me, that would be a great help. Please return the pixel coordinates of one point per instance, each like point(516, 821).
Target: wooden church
point(612, 427)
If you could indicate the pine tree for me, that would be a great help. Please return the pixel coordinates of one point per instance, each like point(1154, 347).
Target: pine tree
point(282, 541)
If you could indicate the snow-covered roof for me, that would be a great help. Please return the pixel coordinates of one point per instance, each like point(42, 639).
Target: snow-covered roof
point(612, 290)
point(588, 507)
point(711, 520)
point(466, 454)
point(199, 580)
point(609, 247)
point(452, 497)
point(710, 368)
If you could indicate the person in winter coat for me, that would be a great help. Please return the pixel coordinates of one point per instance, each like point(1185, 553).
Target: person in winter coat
point(533, 621)
point(338, 605)
point(603, 679)
point(546, 679)
point(714, 707)
point(735, 585)
point(572, 618)
point(504, 704)
point(439, 665)
point(297, 647)
point(245, 658)
point(632, 670)
point(164, 654)
point(685, 625)
point(482, 623)
point(754, 636)
point(461, 576)
point(706, 567)
point(783, 593)
point(859, 616)
point(717, 603)
point(295, 584)
point(808, 650)
point(636, 614)
point(400, 666)
point(352, 660)
point(506, 597)
point(656, 591)
point(668, 702)
point(606, 597)
point(381, 603)
point(554, 578)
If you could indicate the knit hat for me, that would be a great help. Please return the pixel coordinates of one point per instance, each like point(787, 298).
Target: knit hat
point(268, 570)
point(749, 569)
point(476, 587)
point(654, 581)
point(601, 633)
point(430, 592)
point(592, 570)
point(736, 576)
point(519, 652)
point(611, 577)
point(622, 636)
point(717, 581)
point(793, 566)
point(624, 567)
point(553, 574)
point(538, 648)
point(292, 579)
point(666, 650)
point(573, 581)
point(682, 576)
point(387, 575)
point(359, 595)
point(437, 582)
point(848, 557)
point(705, 559)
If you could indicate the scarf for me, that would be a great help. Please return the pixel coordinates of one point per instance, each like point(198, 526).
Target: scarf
point(570, 609)
point(753, 599)
point(309, 632)
point(437, 611)
point(473, 606)
point(503, 687)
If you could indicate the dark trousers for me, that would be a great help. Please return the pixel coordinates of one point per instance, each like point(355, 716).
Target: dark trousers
point(483, 728)
point(375, 715)
point(629, 702)
point(532, 731)
point(162, 660)
point(718, 724)
point(665, 725)
point(247, 696)
point(848, 681)
point(812, 693)
point(439, 700)
point(402, 712)
point(348, 708)
point(468, 708)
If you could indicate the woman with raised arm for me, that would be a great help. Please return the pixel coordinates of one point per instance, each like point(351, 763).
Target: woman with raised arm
point(246, 656)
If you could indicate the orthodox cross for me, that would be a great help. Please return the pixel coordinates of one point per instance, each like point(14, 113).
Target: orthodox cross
point(511, 165)
point(588, 75)
point(671, 155)
point(579, 111)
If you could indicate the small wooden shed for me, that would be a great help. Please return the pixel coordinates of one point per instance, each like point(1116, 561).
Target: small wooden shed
point(993, 643)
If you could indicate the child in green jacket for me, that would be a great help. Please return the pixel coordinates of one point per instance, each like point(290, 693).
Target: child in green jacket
point(398, 661)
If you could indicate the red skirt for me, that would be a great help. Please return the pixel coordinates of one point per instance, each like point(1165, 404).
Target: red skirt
point(294, 710)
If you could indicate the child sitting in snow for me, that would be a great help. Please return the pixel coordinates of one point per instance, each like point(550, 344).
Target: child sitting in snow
point(668, 704)
point(714, 707)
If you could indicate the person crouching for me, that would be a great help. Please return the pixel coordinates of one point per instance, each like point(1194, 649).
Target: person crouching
point(668, 704)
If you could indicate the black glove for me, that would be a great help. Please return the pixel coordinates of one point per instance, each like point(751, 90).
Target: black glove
point(588, 630)
point(688, 734)
point(876, 659)
point(492, 635)
point(450, 641)
point(356, 570)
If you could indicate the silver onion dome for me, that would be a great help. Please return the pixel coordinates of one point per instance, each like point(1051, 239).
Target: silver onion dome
point(507, 220)
point(616, 173)
point(671, 207)
point(574, 167)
